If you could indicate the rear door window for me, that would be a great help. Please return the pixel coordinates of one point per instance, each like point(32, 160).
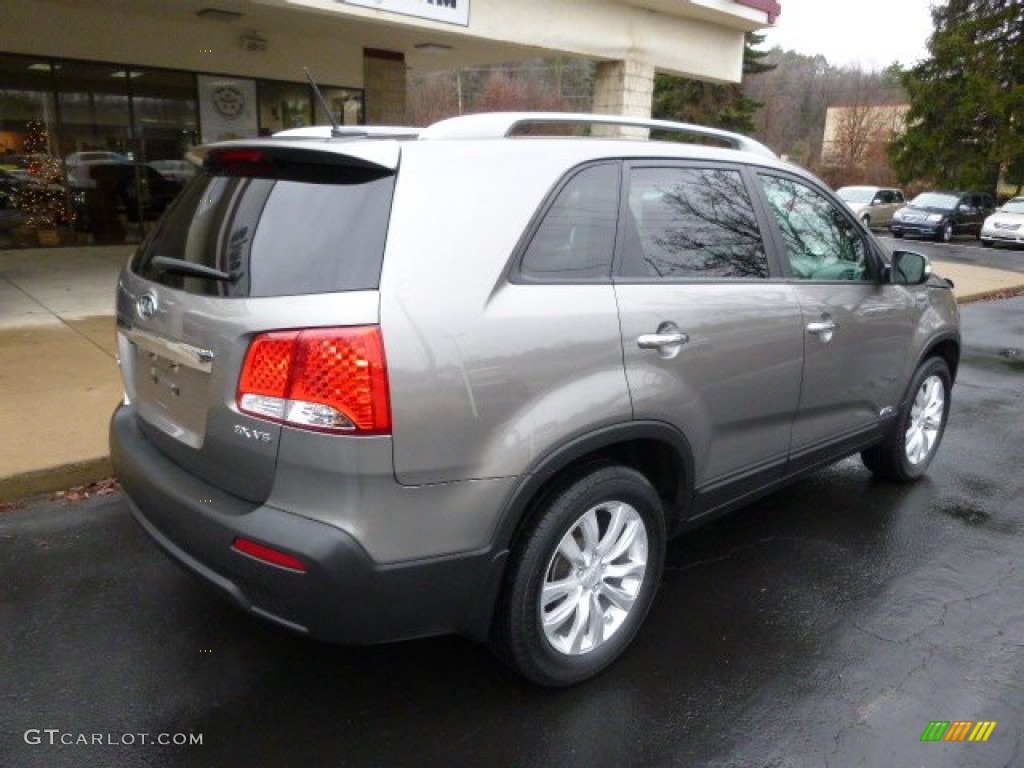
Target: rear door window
point(690, 223)
point(288, 230)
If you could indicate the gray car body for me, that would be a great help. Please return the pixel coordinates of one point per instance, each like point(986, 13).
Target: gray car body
point(498, 385)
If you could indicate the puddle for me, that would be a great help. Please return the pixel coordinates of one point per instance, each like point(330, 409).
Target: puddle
point(973, 515)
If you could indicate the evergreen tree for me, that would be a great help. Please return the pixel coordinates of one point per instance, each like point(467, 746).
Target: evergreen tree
point(966, 119)
point(719, 106)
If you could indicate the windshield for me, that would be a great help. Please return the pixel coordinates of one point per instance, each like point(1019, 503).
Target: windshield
point(856, 194)
point(1013, 206)
point(935, 200)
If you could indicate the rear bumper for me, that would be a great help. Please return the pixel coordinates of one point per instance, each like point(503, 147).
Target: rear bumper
point(343, 596)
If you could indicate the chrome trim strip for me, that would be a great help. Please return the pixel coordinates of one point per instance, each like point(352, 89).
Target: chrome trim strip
point(176, 351)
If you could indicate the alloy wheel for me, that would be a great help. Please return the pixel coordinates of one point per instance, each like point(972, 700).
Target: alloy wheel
point(592, 580)
point(926, 416)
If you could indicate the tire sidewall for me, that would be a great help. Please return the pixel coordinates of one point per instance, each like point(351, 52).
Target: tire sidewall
point(537, 659)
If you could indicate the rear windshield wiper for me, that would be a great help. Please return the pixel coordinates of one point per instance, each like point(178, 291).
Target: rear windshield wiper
point(191, 269)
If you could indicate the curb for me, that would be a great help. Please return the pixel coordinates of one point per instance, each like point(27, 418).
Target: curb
point(38, 481)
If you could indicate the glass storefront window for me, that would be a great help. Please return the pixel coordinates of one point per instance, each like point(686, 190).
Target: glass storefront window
point(93, 152)
point(284, 105)
point(33, 198)
point(345, 103)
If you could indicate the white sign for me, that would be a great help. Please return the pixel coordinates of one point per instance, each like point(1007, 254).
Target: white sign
point(447, 11)
point(227, 108)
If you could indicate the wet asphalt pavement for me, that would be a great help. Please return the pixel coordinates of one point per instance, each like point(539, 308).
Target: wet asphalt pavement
point(824, 626)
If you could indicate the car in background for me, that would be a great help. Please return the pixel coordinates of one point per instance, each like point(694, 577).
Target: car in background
point(874, 206)
point(941, 215)
point(133, 189)
point(1006, 225)
point(180, 171)
point(78, 164)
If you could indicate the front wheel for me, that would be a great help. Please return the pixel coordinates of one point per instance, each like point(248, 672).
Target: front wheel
point(904, 455)
point(582, 578)
point(947, 232)
point(866, 221)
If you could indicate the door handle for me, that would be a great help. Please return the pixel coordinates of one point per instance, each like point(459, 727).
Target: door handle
point(826, 326)
point(823, 330)
point(661, 340)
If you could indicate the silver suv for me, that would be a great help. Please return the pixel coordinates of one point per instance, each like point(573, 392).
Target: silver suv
point(470, 380)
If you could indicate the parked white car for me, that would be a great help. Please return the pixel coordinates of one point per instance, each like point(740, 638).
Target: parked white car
point(874, 206)
point(1006, 225)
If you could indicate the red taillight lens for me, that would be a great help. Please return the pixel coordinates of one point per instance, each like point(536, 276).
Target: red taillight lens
point(269, 555)
point(329, 379)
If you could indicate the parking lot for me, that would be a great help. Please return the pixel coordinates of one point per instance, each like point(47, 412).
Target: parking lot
point(826, 625)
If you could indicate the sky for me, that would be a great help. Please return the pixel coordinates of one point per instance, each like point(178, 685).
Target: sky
point(869, 33)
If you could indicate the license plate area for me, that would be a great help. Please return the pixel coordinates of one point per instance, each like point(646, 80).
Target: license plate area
point(171, 387)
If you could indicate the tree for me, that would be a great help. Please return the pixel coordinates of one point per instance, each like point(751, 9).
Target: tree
point(720, 106)
point(966, 120)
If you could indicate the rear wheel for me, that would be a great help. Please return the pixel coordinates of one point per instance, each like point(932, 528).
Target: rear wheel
point(907, 451)
point(582, 578)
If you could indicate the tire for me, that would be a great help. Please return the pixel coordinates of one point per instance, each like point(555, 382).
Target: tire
point(906, 452)
point(897, 235)
point(866, 221)
point(567, 549)
point(986, 243)
point(947, 232)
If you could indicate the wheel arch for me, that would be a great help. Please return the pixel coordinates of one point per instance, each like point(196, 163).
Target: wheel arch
point(946, 347)
point(657, 450)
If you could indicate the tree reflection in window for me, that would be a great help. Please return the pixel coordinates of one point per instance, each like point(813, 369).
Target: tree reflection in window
point(821, 243)
point(692, 222)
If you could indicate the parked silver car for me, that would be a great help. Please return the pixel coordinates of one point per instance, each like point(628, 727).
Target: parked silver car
point(1006, 225)
point(381, 388)
point(874, 206)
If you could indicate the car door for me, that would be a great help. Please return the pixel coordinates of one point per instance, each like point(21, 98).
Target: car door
point(857, 329)
point(712, 343)
point(885, 207)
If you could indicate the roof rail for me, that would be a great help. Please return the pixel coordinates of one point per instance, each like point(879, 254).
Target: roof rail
point(496, 125)
point(349, 131)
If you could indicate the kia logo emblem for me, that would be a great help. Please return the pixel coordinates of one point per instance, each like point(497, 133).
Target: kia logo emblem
point(146, 305)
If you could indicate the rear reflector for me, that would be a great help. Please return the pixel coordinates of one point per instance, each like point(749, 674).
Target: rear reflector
point(268, 554)
point(325, 379)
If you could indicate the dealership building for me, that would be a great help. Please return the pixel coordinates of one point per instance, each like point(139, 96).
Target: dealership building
point(100, 100)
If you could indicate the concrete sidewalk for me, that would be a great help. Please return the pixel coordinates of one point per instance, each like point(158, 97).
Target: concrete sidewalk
point(59, 380)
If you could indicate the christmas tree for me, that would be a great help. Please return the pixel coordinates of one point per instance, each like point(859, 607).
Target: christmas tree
point(41, 196)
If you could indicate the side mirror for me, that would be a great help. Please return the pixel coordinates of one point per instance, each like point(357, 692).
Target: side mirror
point(910, 268)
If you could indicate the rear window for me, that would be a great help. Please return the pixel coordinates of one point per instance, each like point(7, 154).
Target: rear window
point(283, 229)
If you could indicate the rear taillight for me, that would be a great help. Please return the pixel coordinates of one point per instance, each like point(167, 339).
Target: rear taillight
point(326, 379)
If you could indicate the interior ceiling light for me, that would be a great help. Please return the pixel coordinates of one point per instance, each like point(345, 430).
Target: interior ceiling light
point(123, 73)
point(433, 48)
point(216, 14)
point(40, 66)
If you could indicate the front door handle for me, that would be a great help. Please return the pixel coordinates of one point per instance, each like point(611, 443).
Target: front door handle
point(823, 330)
point(826, 326)
point(667, 341)
point(661, 340)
